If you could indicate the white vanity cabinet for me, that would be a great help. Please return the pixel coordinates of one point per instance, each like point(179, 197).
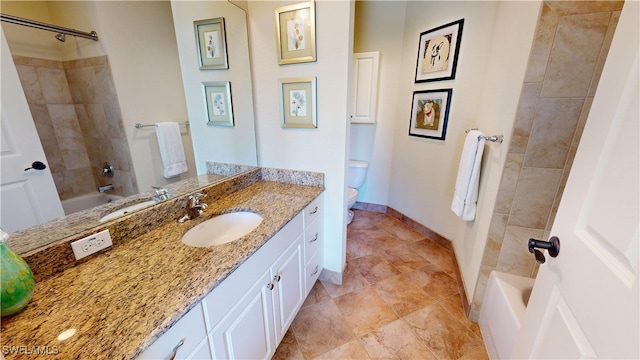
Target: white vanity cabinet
point(247, 315)
point(251, 310)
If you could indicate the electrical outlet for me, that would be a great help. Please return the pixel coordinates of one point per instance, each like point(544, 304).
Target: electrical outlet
point(91, 244)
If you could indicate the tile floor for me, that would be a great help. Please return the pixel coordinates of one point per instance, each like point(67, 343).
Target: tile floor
point(399, 300)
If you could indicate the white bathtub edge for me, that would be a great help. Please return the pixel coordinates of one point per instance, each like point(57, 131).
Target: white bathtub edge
point(502, 312)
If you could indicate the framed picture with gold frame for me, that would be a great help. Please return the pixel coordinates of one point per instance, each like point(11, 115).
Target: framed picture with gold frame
point(296, 33)
point(298, 102)
point(211, 41)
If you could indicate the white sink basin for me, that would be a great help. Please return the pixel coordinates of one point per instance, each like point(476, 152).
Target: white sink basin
point(222, 229)
point(128, 209)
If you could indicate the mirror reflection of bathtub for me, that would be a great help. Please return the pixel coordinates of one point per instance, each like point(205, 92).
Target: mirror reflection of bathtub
point(87, 201)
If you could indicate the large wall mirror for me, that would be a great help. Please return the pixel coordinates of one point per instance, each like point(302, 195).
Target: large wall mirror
point(146, 63)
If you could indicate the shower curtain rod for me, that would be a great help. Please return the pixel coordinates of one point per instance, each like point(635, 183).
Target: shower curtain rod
point(43, 26)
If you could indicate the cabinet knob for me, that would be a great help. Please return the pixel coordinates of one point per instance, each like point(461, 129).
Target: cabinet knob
point(315, 238)
point(315, 210)
point(315, 271)
point(277, 278)
point(270, 286)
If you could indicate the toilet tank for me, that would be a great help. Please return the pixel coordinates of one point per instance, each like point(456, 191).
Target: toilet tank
point(357, 173)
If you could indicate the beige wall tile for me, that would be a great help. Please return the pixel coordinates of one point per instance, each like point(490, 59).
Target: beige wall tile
point(604, 51)
point(74, 153)
point(81, 82)
point(64, 120)
point(574, 55)
point(82, 181)
point(515, 258)
point(40, 115)
point(53, 83)
point(542, 43)
point(583, 7)
point(53, 154)
point(497, 229)
point(478, 295)
point(30, 84)
point(534, 197)
point(552, 132)
point(508, 183)
point(524, 117)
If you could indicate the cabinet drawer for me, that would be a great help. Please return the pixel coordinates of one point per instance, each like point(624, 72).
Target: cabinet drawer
point(312, 271)
point(313, 211)
point(190, 329)
point(312, 240)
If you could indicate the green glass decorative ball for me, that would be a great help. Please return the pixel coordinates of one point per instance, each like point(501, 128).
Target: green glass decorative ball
point(17, 282)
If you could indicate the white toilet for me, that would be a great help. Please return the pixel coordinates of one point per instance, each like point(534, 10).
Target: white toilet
point(357, 173)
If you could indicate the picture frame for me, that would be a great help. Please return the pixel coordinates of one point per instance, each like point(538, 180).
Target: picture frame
point(296, 33)
point(219, 106)
point(298, 102)
point(211, 41)
point(438, 51)
point(430, 113)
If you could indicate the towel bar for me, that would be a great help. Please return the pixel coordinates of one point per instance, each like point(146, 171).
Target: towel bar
point(138, 125)
point(493, 138)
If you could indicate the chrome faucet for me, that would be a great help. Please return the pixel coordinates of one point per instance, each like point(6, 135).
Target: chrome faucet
point(105, 188)
point(193, 207)
point(161, 194)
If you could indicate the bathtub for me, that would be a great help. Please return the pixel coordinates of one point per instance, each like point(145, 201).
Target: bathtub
point(87, 201)
point(502, 312)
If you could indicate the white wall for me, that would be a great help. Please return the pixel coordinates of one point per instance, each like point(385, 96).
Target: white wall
point(217, 143)
point(421, 172)
point(323, 149)
point(378, 26)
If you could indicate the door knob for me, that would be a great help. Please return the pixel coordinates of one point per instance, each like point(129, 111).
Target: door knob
point(553, 246)
point(37, 165)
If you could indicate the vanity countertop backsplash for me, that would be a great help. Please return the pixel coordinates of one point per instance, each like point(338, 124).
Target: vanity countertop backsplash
point(115, 303)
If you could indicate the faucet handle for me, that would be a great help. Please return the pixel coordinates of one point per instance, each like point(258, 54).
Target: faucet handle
point(161, 193)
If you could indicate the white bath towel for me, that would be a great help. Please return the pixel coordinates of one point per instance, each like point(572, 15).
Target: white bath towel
point(465, 195)
point(171, 149)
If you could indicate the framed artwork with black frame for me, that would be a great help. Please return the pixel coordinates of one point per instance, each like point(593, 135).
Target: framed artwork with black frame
point(430, 113)
point(438, 51)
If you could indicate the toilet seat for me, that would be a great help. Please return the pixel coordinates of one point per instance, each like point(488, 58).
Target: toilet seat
point(352, 194)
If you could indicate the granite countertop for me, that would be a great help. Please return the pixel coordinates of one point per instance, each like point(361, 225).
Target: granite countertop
point(120, 301)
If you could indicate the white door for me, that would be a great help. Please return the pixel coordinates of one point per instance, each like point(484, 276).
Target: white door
point(585, 302)
point(27, 197)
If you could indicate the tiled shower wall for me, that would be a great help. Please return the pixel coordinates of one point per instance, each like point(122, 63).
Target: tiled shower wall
point(75, 108)
point(571, 43)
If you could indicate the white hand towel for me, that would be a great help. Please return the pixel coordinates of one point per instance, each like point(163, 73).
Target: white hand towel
point(171, 149)
point(465, 195)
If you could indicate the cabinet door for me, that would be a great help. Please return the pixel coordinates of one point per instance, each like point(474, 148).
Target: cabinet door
point(190, 330)
point(288, 291)
point(365, 87)
point(246, 332)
